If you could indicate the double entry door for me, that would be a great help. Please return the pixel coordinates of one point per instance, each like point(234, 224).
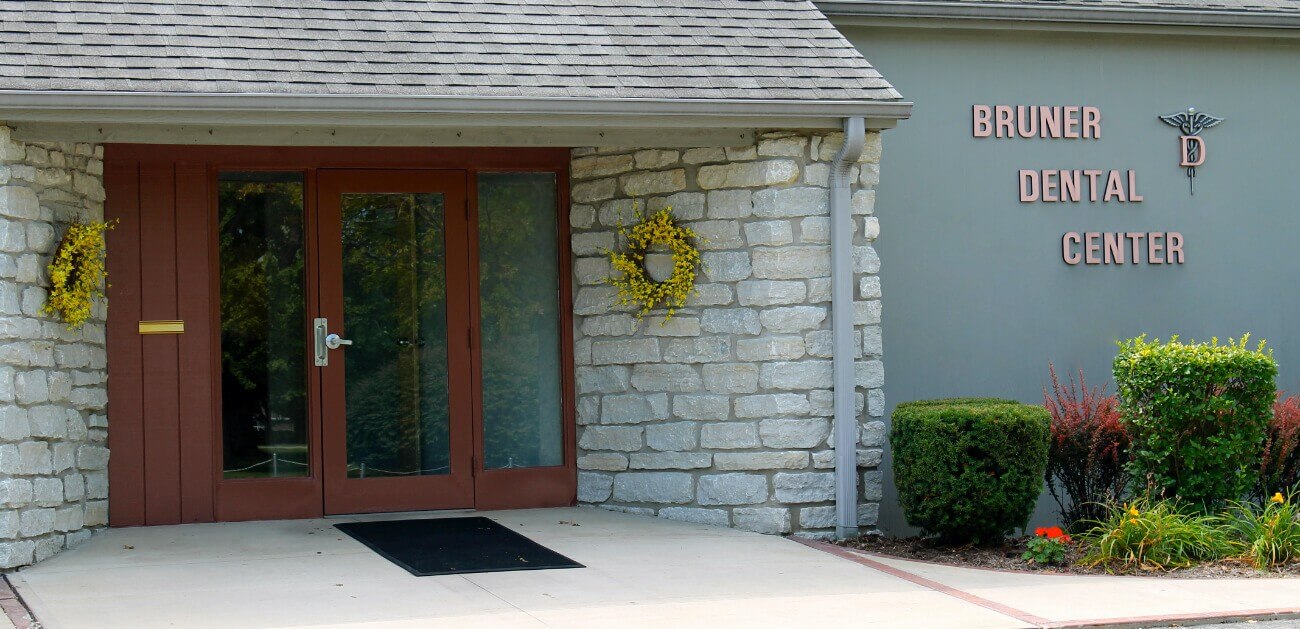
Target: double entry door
point(387, 345)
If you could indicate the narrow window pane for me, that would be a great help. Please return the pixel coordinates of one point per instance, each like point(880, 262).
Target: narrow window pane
point(520, 317)
point(263, 326)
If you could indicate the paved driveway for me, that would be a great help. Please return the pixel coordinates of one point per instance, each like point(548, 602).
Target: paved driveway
point(641, 572)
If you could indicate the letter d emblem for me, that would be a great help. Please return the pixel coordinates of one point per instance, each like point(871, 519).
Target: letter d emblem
point(1194, 151)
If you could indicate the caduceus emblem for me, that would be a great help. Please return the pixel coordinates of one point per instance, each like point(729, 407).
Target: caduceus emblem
point(1191, 144)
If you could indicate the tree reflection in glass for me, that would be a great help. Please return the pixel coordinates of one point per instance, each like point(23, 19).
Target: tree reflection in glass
point(263, 330)
point(520, 318)
point(395, 312)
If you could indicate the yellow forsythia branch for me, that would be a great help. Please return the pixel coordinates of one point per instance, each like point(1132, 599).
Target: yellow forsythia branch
point(77, 273)
point(629, 273)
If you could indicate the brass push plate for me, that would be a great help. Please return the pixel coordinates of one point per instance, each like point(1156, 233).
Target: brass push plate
point(162, 327)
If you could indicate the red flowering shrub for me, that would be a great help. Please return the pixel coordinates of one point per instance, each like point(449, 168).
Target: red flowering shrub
point(1089, 448)
point(1279, 470)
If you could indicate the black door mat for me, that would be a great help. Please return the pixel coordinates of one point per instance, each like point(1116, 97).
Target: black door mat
point(433, 546)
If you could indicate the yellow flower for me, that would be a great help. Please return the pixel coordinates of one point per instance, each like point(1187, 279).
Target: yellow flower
point(77, 273)
point(1278, 498)
point(1132, 521)
point(1133, 511)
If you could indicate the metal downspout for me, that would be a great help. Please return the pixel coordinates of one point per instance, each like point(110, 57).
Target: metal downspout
point(846, 421)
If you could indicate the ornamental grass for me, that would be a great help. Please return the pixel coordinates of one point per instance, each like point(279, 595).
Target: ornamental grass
point(1156, 535)
point(1269, 534)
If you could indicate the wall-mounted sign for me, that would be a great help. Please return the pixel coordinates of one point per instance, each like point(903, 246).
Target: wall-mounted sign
point(1062, 186)
point(1094, 185)
point(1192, 149)
point(169, 326)
point(1113, 248)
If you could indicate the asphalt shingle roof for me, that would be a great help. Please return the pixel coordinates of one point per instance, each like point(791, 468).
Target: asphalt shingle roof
point(660, 49)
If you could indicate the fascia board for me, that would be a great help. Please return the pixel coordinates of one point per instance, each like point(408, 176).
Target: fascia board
point(199, 108)
point(1043, 12)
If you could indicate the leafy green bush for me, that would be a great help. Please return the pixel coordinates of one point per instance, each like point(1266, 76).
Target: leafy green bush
point(969, 469)
point(1196, 414)
point(1270, 535)
point(1159, 535)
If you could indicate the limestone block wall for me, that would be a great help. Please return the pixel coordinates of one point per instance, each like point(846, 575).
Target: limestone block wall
point(53, 426)
point(723, 414)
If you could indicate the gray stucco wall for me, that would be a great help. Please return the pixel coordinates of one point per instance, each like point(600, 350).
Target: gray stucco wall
point(980, 299)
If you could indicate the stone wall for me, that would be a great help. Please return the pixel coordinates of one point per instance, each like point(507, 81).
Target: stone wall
point(53, 427)
point(723, 414)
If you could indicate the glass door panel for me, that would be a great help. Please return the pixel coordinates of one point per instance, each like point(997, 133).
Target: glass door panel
point(395, 298)
point(396, 389)
point(264, 421)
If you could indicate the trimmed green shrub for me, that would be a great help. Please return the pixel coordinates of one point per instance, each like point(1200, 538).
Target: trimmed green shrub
point(969, 469)
point(1196, 414)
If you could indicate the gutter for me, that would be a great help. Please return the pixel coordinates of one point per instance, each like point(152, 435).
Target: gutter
point(15, 104)
point(1053, 12)
point(845, 429)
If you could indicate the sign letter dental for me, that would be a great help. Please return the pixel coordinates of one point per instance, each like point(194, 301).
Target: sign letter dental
point(1074, 186)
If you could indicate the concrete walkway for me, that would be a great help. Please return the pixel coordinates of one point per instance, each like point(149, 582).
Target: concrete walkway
point(641, 572)
point(1047, 600)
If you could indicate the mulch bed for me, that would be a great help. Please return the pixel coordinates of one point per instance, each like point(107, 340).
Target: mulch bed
point(1007, 557)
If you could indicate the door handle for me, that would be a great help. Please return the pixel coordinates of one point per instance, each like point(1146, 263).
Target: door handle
point(324, 341)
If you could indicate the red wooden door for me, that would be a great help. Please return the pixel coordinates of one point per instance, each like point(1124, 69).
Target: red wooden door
point(394, 282)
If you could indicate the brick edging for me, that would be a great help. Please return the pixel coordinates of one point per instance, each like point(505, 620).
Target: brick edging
point(1038, 621)
point(14, 607)
point(1005, 610)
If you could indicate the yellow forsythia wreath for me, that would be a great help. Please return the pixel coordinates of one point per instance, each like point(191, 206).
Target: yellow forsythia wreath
point(77, 273)
point(630, 276)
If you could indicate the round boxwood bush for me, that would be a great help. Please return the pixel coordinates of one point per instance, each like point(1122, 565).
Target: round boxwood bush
point(969, 469)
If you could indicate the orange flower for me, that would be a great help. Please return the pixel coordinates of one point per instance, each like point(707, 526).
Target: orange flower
point(1051, 532)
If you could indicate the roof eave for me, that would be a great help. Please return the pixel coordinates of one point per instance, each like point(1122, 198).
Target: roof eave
point(1042, 12)
point(200, 108)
